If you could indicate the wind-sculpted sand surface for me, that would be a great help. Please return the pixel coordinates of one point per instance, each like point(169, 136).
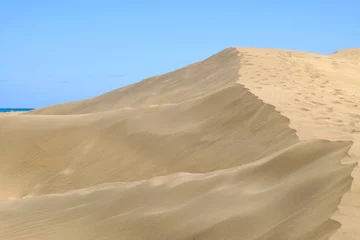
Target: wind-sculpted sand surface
point(247, 144)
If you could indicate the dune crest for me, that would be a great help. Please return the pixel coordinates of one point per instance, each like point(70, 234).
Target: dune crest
point(247, 144)
point(349, 53)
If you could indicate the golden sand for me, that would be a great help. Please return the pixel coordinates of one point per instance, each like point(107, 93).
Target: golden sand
point(249, 144)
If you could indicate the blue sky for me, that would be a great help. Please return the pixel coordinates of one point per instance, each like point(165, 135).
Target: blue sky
point(59, 51)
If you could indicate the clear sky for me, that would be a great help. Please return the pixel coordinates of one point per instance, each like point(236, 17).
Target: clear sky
point(59, 51)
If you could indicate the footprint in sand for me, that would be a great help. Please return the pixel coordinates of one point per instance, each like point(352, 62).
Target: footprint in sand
point(354, 115)
point(355, 130)
point(318, 103)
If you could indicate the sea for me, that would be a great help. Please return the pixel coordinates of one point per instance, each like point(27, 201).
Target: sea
point(16, 109)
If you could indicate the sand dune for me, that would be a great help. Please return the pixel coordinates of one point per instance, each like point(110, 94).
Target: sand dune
point(265, 199)
point(247, 144)
point(321, 97)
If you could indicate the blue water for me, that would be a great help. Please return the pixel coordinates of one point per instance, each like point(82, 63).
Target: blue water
point(15, 109)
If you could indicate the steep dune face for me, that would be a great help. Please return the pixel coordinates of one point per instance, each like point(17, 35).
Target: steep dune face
point(60, 153)
point(267, 199)
point(204, 152)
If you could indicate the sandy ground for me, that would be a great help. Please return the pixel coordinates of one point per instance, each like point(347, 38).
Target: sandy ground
point(247, 144)
point(11, 113)
point(321, 97)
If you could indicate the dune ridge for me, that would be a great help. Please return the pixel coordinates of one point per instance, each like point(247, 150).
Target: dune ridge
point(209, 151)
point(320, 94)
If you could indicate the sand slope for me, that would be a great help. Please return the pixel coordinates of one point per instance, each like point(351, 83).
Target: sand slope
point(265, 199)
point(247, 144)
point(321, 97)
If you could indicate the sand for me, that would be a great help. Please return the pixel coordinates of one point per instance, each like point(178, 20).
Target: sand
point(12, 113)
point(247, 144)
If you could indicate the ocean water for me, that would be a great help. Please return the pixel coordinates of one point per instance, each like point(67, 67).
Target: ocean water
point(15, 109)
